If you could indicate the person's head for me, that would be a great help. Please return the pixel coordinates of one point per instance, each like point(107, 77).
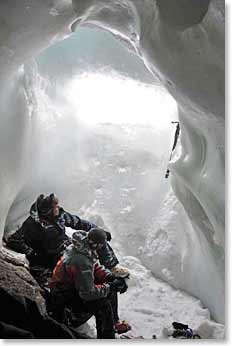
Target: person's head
point(96, 238)
point(48, 207)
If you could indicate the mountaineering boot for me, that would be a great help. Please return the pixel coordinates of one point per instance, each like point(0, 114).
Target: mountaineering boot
point(121, 327)
point(120, 272)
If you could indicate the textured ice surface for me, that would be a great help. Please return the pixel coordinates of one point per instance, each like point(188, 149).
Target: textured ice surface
point(184, 48)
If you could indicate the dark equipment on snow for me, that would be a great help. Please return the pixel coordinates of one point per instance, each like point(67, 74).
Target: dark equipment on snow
point(126, 336)
point(174, 144)
point(182, 331)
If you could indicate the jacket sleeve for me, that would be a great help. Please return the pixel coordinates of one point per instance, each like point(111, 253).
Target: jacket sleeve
point(107, 256)
point(101, 274)
point(17, 242)
point(84, 282)
point(33, 235)
point(77, 223)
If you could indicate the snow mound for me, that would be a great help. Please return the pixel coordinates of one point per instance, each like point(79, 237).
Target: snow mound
point(150, 305)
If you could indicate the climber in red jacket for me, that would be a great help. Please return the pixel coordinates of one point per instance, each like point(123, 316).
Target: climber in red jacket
point(82, 284)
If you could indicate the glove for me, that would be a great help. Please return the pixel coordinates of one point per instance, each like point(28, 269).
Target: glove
point(31, 256)
point(118, 285)
point(110, 277)
point(67, 243)
point(30, 252)
point(124, 286)
point(108, 236)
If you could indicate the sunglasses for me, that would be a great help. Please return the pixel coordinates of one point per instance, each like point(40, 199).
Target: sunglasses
point(95, 245)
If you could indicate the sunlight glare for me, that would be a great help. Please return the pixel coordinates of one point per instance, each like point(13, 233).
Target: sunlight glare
point(116, 99)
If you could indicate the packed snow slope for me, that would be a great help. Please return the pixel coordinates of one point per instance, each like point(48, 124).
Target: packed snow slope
point(182, 44)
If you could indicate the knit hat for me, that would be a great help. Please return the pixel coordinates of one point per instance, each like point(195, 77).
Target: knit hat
point(97, 236)
point(45, 204)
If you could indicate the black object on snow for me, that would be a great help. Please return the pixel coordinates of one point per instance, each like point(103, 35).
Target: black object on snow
point(174, 144)
point(183, 331)
point(177, 325)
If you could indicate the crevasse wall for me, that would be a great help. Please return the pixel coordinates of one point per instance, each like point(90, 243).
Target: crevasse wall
point(182, 44)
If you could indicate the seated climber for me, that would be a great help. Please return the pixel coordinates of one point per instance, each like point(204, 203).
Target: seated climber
point(79, 282)
point(42, 239)
point(42, 236)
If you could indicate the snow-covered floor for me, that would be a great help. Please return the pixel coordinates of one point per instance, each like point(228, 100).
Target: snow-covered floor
point(151, 305)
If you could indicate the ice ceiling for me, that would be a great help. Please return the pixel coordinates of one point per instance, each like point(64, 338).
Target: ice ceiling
point(182, 44)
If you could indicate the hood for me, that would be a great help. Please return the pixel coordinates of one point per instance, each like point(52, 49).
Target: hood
point(81, 244)
point(34, 212)
point(35, 215)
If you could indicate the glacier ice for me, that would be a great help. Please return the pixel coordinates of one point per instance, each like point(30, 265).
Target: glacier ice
point(187, 57)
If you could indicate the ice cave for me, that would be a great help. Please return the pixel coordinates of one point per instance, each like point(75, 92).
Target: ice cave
point(89, 91)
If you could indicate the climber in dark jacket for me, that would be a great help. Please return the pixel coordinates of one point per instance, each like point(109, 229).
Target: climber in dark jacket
point(80, 283)
point(42, 236)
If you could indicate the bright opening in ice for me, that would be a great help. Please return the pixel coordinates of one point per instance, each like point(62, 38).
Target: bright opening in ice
point(125, 100)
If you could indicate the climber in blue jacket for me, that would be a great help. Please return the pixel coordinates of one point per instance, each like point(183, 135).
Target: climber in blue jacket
point(42, 236)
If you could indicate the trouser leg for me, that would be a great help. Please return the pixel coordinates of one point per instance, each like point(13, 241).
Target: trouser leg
point(58, 301)
point(102, 310)
point(113, 297)
point(57, 310)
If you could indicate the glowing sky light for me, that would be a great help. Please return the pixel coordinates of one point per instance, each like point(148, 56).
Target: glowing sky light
point(116, 99)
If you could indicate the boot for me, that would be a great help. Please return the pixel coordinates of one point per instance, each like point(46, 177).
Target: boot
point(121, 327)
